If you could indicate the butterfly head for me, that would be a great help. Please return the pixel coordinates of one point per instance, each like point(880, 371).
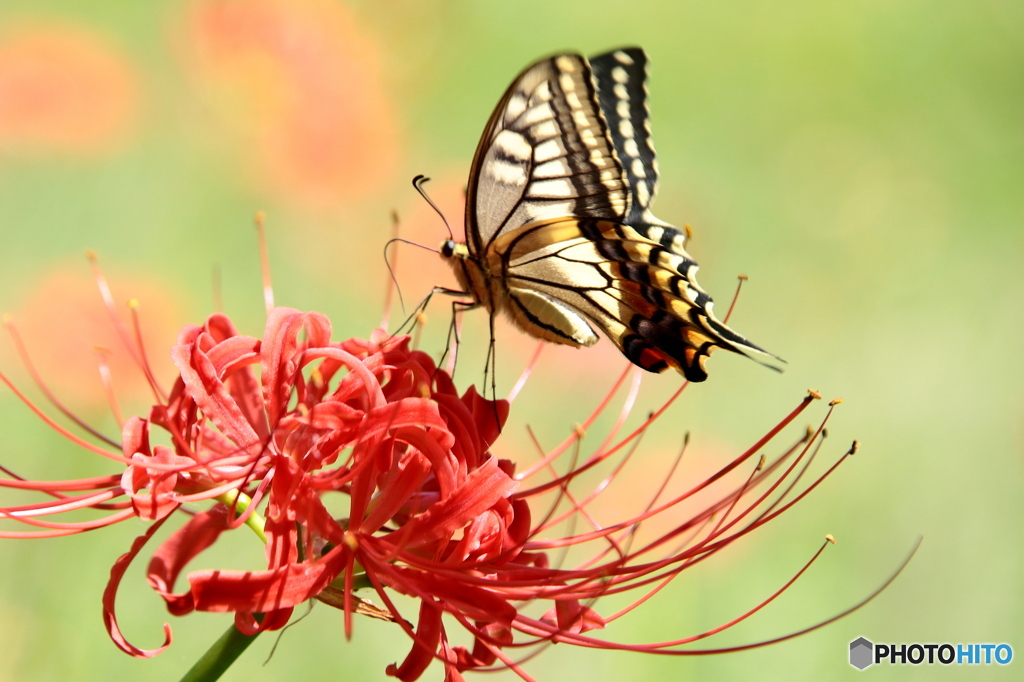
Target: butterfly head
point(453, 249)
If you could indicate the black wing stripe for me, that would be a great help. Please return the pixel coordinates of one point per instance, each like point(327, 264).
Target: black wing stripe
point(622, 93)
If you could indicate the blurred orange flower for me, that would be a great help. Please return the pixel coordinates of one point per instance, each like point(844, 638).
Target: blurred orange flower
point(64, 89)
point(300, 80)
point(65, 324)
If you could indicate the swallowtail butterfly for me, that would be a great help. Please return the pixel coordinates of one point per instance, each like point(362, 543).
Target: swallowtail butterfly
point(559, 231)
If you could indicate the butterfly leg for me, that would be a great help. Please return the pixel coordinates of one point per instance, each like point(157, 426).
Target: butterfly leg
point(490, 364)
point(421, 307)
point(453, 332)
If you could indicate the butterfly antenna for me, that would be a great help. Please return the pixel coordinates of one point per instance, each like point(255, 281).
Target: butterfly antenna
point(392, 271)
point(418, 183)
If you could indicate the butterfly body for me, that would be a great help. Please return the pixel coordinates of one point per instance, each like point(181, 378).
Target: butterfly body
point(494, 286)
point(559, 232)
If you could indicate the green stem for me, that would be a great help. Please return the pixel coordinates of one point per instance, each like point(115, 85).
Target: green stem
point(220, 656)
point(241, 502)
point(232, 643)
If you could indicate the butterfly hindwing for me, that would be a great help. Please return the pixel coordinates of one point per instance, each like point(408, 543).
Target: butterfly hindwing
point(644, 297)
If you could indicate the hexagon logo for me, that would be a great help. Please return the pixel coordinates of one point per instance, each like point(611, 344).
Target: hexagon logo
point(861, 653)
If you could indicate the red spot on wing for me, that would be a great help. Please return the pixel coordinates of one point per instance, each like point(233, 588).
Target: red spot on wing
point(653, 360)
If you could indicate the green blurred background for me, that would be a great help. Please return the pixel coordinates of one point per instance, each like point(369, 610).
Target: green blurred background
point(862, 162)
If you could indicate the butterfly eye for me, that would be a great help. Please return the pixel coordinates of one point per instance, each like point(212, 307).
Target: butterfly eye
point(448, 248)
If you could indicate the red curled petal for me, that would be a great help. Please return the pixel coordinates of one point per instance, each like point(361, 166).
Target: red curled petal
point(233, 353)
point(185, 544)
point(215, 400)
point(468, 447)
point(428, 634)
point(332, 416)
point(278, 360)
point(188, 334)
point(472, 601)
point(445, 466)
point(161, 498)
point(477, 494)
point(232, 358)
point(247, 624)
point(486, 535)
point(500, 635)
point(414, 412)
point(518, 532)
point(452, 662)
point(490, 415)
point(135, 437)
point(403, 482)
point(265, 591)
point(570, 616)
point(275, 620)
point(110, 593)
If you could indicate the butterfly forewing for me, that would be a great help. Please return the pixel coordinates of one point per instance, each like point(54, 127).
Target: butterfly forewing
point(546, 153)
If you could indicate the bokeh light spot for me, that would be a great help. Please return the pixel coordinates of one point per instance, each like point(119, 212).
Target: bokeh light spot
point(64, 89)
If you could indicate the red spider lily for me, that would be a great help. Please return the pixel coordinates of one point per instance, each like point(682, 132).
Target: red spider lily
point(432, 513)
